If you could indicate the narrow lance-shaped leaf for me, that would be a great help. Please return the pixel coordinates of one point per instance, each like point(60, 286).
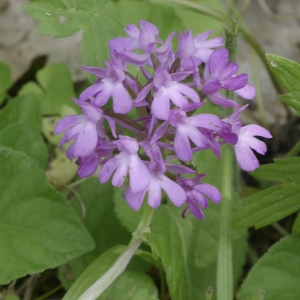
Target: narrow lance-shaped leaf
point(268, 206)
point(284, 170)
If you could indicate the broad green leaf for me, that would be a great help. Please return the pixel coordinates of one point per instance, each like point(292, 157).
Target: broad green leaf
point(292, 99)
point(24, 138)
point(296, 226)
point(34, 219)
point(277, 273)
point(95, 39)
point(286, 71)
point(24, 109)
point(60, 18)
point(5, 80)
point(283, 170)
point(132, 11)
point(268, 206)
point(30, 87)
point(94, 272)
point(131, 285)
point(199, 23)
point(256, 296)
point(58, 89)
point(101, 223)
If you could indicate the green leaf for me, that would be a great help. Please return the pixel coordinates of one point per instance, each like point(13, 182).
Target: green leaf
point(20, 128)
point(131, 285)
point(132, 11)
point(199, 23)
point(30, 87)
point(100, 221)
point(54, 91)
point(94, 272)
point(58, 88)
point(292, 99)
point(277, 273)
point(34, 219)
point(283, 170)
point(296, 226)
point(95, 40)
point(24, 138)
point(24, 109)
point(268, 206)
point(286, 71)
point(60, 18)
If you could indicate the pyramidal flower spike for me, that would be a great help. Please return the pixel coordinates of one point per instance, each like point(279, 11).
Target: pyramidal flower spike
point(137, 154)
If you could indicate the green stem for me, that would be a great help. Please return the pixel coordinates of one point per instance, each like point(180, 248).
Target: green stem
point(258, 90)
point(45, 296)
point(71, 185)
point(96, 289)
point(224, 266)
point(280, 229)
point(224, 269)
point(294, 151)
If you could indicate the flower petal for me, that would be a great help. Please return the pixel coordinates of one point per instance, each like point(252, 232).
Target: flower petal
point(122, 101)
point(86, 141)
point(154, 192)
point(254, 129)
point(210, 191)
point(245, 157)
point(135, 200)
point(175, 192)
point(107, 169)
point(139, 175)
point(247, 92)
point(182, 146)
point(65, 123)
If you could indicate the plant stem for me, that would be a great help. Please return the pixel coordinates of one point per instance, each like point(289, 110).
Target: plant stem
point(294, 151)
point(45, 296)
point(258, 90)
point(96, 289)
point(224, 266)
point(280, 229)
point(224, 269)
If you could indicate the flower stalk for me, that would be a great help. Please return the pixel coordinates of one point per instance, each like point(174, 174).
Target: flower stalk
point(95, 290)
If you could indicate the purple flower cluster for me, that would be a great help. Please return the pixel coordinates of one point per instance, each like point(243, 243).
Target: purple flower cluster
point(137, 153)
